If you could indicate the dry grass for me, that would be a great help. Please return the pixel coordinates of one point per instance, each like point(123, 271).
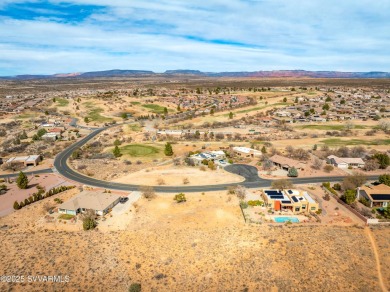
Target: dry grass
point(199, 245)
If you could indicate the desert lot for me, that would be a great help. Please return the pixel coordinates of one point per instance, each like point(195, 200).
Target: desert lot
point(200, 245)
point(175, 175)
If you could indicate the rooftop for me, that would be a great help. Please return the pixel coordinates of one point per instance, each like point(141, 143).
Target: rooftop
point(90, 200)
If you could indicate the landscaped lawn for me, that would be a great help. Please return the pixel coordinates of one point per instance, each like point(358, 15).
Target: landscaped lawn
point(139, 150)
point(134, 127)
point(258, 108)
point(329, 127)
point(155, 108)
point(62, 102)
point(340, 142)
point(135, 102)
point(95, 116)
point(66, 216)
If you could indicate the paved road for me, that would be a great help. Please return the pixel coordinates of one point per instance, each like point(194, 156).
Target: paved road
point(252, 180)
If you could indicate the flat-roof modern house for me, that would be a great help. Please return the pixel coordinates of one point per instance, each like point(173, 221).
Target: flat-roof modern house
point(287, 163)
point(289, 200)
point(378, 196)
point(99, 202)
point(345, 162)
point(25, 160)
point(214, 156)
point(247, 152)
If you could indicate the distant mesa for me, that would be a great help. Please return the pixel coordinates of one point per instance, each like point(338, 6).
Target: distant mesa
point(256, 74)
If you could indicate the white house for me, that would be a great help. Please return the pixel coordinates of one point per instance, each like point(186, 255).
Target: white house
point(247, 152)
point(215, 156)
point(345, 162)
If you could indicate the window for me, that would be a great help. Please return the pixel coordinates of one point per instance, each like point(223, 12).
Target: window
point(313, 208)
point(303, 206)
point(297, 209)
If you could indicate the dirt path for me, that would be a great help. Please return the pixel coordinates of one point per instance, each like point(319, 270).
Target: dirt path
point(378, 265)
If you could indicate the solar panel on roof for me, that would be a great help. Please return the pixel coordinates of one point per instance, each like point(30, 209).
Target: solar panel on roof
point(290, 191)
point(294, 198)
point(381, 197)
point(286, 202)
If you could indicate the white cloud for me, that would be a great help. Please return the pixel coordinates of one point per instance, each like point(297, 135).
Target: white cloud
point(213, 36)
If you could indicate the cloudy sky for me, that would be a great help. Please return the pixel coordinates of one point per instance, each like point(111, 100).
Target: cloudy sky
point(57, 36)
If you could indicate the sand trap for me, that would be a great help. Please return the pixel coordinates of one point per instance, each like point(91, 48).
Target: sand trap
point(174, 176)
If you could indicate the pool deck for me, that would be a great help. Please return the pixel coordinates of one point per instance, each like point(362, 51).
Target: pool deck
point(301, 218)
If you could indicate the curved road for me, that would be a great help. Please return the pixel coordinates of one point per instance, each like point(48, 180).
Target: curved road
point(252, 180)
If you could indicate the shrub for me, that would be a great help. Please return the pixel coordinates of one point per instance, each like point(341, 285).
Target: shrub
point(16, 206)
point(328, 168)
point(180, 198)
point(255, 203)
point(349, 196)
point(147, 192)
point(337, 187)
point(243, 205)
point(89, 224)
point(186, 181)
point(292, 172)
point(319, 212)
point(135, 287)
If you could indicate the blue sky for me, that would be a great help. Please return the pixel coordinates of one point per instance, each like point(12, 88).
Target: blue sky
point(60, 36)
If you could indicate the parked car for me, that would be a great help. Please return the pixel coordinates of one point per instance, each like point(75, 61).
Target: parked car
point(123, 199)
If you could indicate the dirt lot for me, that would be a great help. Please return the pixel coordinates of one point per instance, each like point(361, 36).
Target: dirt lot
point(13, 194)
point(175, 175)
point(199, 245)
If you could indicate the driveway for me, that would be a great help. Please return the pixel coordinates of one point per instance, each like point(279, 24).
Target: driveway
point(250, 173)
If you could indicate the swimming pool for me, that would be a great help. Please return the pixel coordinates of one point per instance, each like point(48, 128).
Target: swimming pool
point(285, 219)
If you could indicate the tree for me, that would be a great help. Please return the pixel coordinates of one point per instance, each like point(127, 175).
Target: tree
point(292, 172)
point(317, 163)
point(147, 192)
point(315, 147)
point(281, 184)
point(353, 181)
point(383, 160)
point(22, 181)
point(168, 151)
point(240, 192)
point(41, 132)
point(212, 111)
point(263, 150)
point(165, 111)
point(349, 196)
point(23, 135)
point(89, 220)
point(117, 142)
point(231, 115)
point(371, 165)
point(328, 99)
point(211, 165)
point(117, 152)
point(385, 179)
point(124, 116)
point(180, 198)
point(326, 107)
point(16, 205)
point(285, 99)
point(86, 120)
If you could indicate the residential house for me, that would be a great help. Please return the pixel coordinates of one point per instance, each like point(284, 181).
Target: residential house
point(377, 196)
point(31, 160)
point(345, 162)
point(287, 163)
point(289, 200)
point(247, 152)
point(98, 201)
point(215, 156)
